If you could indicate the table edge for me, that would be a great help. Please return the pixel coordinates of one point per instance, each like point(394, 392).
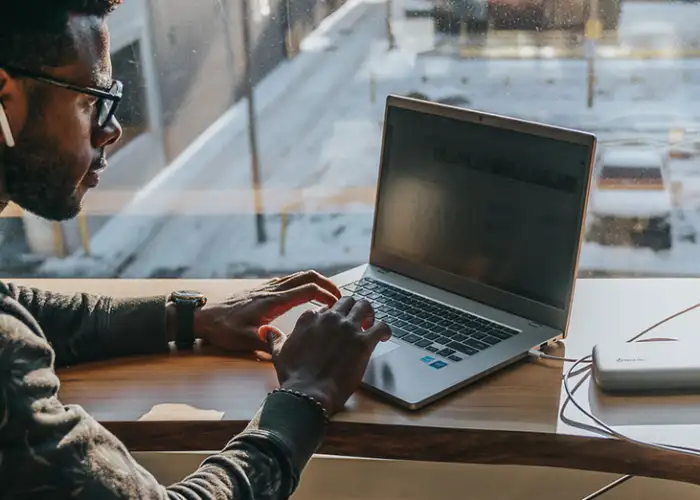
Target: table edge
point(446, 444)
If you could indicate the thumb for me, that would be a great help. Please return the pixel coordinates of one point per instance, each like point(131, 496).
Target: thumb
point(272, 336)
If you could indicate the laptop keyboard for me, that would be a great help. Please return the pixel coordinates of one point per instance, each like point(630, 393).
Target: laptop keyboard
point(434, 327)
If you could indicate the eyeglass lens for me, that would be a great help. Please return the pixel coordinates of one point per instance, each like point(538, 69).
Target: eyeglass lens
point(106, 106)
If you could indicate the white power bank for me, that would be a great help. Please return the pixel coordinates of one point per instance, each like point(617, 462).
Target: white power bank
point(647, 366)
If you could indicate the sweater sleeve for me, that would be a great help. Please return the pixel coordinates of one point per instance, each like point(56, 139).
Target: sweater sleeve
point(52, 450)
point(83, 327)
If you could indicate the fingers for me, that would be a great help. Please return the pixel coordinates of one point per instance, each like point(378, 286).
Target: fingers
point(304, 278)
point(362, 314)
point(359, 312)
point(344, 305)
point(272, 336)
point(289, 299)
point(308, 316)
point(380, 332)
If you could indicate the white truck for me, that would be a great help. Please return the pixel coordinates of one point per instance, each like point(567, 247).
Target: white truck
point(631, 200)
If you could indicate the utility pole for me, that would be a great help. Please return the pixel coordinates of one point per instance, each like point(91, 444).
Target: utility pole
point(252, 125)
point(593, 33)
point(389, 30)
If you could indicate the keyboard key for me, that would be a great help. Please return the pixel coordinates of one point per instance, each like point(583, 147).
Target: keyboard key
point(478, 336)
point(398, 333)
point(432, 348)
point(468, 331)
point(499, 334)
point(491, 340)
point(439, 330)
point(442, 340)
point(445, 352)
point(462, 348)
point(476, 344)
point(454, 358)
point(451, 334)
point(423, 343)
point(412, 338)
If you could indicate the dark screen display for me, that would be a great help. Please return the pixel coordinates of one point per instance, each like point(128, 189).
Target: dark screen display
point(494, 206)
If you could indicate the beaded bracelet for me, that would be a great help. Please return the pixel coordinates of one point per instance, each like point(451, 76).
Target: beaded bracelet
point(310, 399)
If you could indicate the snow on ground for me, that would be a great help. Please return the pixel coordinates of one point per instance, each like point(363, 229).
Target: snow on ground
point(324, 141)
point(343, 149)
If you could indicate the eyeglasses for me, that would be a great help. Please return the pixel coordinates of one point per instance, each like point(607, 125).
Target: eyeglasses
point(107, 100)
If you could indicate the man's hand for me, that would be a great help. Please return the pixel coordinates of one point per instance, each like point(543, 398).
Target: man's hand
point(233, 324)
point(327, 353)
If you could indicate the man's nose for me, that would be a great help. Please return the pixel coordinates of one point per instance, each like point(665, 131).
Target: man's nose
point(109, 134)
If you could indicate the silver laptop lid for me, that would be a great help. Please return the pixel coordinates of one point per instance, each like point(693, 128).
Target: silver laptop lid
point(488, 207)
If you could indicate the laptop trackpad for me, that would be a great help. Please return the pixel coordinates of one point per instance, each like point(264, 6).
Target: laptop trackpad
point(384, 348)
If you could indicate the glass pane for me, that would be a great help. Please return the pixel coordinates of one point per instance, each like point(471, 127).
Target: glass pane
point(288, 180)
point(133, 115)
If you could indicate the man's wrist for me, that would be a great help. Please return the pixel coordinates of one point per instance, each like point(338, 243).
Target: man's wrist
point(323, 396)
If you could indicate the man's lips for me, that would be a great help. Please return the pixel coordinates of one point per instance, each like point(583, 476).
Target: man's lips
point(92, 178)
point(99, 165)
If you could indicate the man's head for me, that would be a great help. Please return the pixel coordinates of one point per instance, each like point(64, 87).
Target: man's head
point(55, 79)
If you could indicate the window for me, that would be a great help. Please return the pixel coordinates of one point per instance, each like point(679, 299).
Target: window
point(290, 181)
point(133, 116)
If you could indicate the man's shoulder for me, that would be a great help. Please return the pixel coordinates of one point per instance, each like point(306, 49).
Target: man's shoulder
point(11, 312)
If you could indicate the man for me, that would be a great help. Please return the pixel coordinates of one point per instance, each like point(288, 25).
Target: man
point(57, 103)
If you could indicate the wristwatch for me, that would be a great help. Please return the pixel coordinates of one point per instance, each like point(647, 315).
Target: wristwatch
point(186, 303)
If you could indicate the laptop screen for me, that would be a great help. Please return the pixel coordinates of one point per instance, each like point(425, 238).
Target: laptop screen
point(488, 205)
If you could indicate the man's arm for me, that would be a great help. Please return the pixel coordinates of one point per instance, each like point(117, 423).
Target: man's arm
point(48, 450)
point(83, 327)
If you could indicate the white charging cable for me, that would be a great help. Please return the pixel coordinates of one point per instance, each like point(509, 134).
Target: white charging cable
point(602, 428)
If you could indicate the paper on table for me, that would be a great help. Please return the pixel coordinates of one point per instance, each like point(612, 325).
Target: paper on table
point(176, 411)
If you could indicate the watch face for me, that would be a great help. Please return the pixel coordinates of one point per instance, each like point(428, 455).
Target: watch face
point(189, 296)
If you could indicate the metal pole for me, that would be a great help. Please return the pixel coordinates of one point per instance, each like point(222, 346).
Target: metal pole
point(252, 133)
point(389, 30)
point(590, 73)
point(593, 30)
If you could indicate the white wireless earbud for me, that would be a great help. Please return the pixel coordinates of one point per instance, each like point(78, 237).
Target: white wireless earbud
point(5, 128)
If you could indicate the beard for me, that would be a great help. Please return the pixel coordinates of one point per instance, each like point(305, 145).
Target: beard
point(35, 174)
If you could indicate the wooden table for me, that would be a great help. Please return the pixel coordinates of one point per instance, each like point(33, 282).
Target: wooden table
point(509, 418)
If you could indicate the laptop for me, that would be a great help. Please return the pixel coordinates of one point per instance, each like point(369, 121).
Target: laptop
point(477, 231)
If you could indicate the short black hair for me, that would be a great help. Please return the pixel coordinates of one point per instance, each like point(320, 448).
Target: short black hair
point(33, 33)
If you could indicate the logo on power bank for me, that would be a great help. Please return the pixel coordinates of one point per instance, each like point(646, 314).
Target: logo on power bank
point(629, 360)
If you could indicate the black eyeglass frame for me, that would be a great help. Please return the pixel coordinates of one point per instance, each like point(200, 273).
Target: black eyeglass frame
point(114, 94)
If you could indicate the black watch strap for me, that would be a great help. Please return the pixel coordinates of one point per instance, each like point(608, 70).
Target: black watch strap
point(184, 334)
point(186, 303)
